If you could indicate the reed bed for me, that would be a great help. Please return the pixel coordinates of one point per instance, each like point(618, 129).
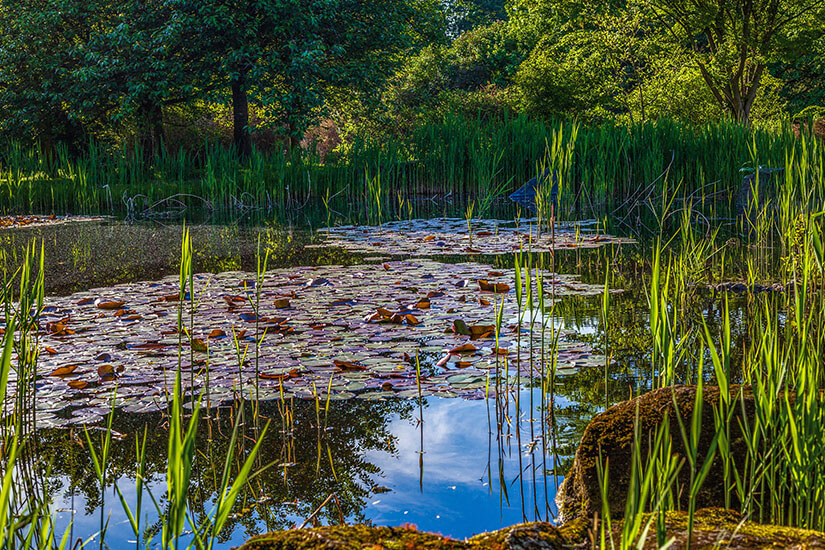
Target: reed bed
point(774, 358)
point(604, 169)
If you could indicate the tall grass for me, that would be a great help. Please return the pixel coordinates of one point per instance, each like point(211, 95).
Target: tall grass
point(602, 168)
point(768, 431)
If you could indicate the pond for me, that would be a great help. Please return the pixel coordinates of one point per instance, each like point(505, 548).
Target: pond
point(403, 380)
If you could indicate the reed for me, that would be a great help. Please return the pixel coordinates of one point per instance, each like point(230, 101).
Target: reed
point(602, 169)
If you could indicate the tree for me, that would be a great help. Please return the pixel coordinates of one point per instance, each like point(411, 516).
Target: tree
point(70, 66)
point(453, 77)
point(287, 55)
point(732, 41)
point(41, 46)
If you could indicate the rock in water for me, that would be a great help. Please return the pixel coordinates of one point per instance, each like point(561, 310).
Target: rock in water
point(612, 432)
point(715, 528)
point(526, 194)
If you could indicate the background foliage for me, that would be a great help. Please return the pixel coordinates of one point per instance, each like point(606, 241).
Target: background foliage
point(150, 74)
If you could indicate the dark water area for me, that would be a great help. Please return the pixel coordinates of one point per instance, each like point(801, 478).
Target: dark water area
point(452, 466)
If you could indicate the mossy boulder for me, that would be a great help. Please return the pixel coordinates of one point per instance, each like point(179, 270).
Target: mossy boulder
point(351, 537)
point(612, 433)
point(539, 536)
point(715, 528)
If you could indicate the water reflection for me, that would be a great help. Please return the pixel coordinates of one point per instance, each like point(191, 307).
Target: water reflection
point(466, 480)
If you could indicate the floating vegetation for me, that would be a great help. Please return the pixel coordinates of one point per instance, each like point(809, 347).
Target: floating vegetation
point(423, 237)
point(11, 222)
point(314, 332)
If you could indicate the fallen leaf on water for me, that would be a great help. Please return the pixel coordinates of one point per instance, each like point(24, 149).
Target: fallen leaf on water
point(85, 301)
point(149, 345)
point(429, 238)
point(387, 267)
point(63, 371)
point(422, 304)
point(217, 333)
point(280, 376)
point(59, 329)
point(483, 302)
point(234, 301)
point(411, 319)
point(198, 345)
point(112, 304)
point(484, 233)
point(106, 370)
point(51, 351)
point(348, 365)
point(482, 331)
point(281, 303)
point(498, 288)
point(463, 348)
point(78, 384)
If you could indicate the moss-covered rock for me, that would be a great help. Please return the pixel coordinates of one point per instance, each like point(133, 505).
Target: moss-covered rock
point(612, 433)
point(352, 537)
point(539, 536)
point(715, 528)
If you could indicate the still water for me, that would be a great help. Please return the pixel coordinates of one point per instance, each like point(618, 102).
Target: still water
point(452, 466)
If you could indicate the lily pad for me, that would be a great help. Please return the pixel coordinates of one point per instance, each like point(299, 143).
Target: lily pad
point(301, 350)
point(443, 236)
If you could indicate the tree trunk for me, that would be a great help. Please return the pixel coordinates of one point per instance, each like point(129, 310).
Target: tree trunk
point(736, 96)
point(48, 151)
point(150, 130)
point(240, 117)
point(294, 138)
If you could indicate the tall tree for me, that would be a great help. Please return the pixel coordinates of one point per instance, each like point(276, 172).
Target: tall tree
point(41, 47)
point(70, 65)
point(286, 55)
point(732, 41)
